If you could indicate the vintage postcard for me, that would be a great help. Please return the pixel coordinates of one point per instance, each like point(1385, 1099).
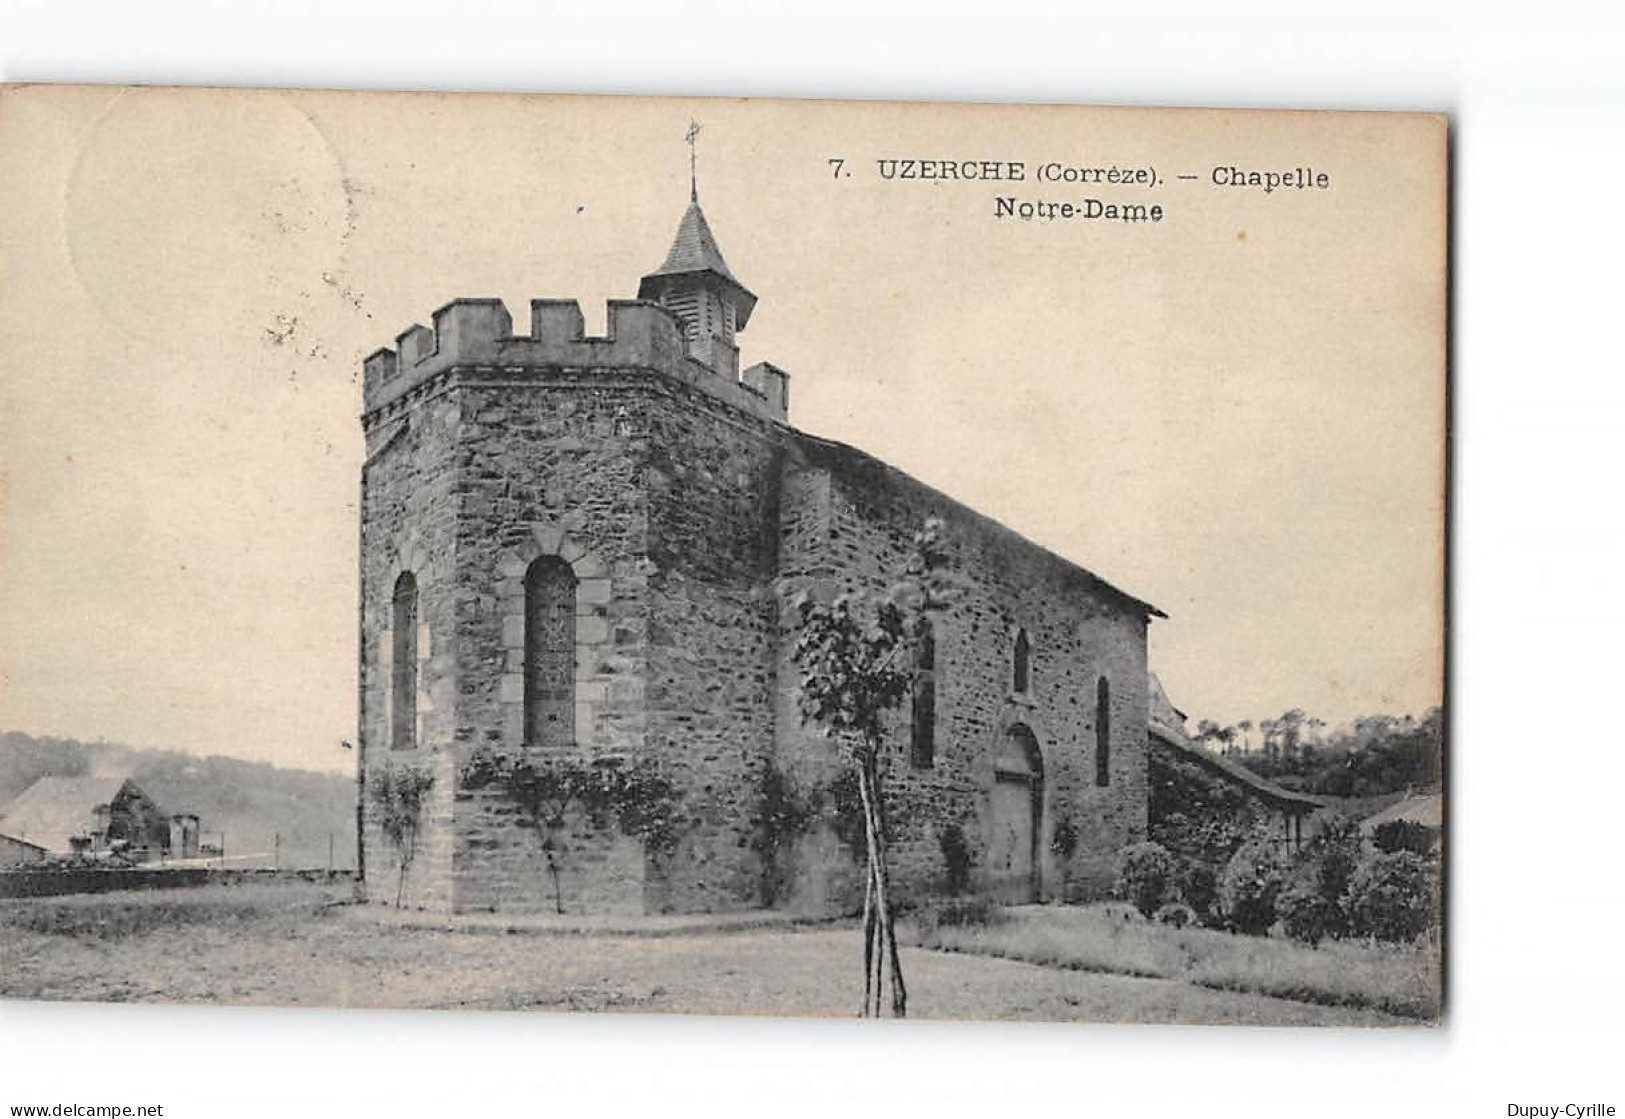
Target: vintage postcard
point(760, 557)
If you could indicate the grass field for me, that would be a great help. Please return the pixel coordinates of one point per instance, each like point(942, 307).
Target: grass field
point(293, 944)
point(1400, 980)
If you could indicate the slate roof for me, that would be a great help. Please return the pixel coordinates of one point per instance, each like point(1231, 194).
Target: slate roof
point(53, 809)
point(1426, 809)
point(695, 249)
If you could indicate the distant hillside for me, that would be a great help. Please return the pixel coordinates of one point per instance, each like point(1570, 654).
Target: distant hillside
point(251, 802)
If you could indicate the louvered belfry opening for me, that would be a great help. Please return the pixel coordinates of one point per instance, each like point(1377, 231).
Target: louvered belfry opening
point(686, 306)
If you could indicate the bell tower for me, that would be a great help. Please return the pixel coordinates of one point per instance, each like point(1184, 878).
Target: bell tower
point(696, 285)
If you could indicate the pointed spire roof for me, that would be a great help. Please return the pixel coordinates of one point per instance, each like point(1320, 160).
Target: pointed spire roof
point(695, 248)
point(694, 252)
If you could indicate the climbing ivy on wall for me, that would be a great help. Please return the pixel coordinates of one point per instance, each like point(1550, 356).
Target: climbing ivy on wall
point(783, 814)
point(549, 789)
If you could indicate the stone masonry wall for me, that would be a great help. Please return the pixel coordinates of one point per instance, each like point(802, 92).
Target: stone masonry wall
point(1078, 630)
point(548, 465)
point(822, 873)
point(713, 492)
point(687, 518)
point(408, 516)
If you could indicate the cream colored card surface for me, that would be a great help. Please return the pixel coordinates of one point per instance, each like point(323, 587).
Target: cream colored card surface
point(770, 557)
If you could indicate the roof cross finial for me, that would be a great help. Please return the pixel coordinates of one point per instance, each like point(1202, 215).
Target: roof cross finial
point(692, 138)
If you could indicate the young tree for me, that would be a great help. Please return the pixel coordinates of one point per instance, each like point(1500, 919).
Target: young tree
point(1290, 727)
point(854, 668)
point(397, 793)
point(1208, 732)
point(1269, 731)
point(547, 789)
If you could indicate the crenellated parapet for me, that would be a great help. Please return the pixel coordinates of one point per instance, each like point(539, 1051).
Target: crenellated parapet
point(641, 336)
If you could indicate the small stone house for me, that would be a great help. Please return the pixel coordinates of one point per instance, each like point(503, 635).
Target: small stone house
point(89, 816)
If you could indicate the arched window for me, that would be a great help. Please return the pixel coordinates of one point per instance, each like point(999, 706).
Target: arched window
point(923, 750)
point(1103, 733)
point(403, 690)
point(550, 653)
point(1023, 662)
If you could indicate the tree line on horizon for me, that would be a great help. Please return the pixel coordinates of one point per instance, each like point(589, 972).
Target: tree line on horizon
point(1371, 756)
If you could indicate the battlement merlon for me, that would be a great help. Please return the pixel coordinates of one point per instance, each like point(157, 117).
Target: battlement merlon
point(640, 335)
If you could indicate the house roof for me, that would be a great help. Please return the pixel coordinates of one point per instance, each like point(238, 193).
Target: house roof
point(4, 838)
point(53, 809)
point(1167, 726)
point(1426, 809)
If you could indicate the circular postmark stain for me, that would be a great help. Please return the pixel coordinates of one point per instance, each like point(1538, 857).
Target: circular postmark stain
point(195, 219)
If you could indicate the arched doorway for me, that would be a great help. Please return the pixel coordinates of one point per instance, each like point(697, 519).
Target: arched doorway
point(1015, 809)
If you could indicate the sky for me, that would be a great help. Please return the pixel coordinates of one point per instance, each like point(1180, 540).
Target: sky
point(1236, 413)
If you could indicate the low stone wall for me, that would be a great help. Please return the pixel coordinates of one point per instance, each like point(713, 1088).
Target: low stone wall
point(55, 881)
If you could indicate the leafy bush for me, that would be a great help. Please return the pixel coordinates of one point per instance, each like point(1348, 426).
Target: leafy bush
point(1065, 839)
point(782, 814)
point(1177, 914)
point(1250, 885)
point(1145, 876)
point(1393, 896)
point(1334, 854)
point(1403, 835)
point(1202, 819)
point(1197, 885)
point(1311, 905)
point(1307, 915)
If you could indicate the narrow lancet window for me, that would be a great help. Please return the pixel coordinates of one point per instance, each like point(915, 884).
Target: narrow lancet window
point(403, 707)
point(1103, 733)
point(923, 744)
point(1023, 665)
point(550, 653)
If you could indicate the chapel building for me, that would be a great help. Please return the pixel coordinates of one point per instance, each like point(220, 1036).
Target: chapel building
point(589, 545)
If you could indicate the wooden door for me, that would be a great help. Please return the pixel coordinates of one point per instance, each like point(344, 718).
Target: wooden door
point(1010, 853)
